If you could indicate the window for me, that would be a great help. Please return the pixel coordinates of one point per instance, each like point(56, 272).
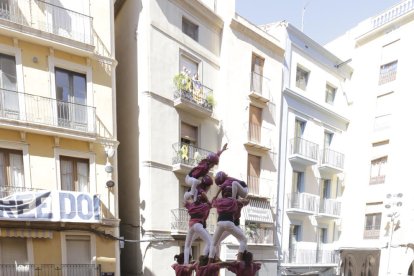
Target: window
point(326, 188)
point(190, 29)
point(253, 173)
point(302, 77)
point(297, 181)
point(74, 173)
point(323, 235)
point(327, 139)
point(257, 74)
point(372, 226)
point(388, 72)
point(188, 66)
point(255, 124)
point(13, 251)
point(383, 111)
point(299, 128)
point(9, 100)
point(71, 96)
point(378, 170)
point(294, 238)
point(11, 168)
point(330, 93)
point(78, 249)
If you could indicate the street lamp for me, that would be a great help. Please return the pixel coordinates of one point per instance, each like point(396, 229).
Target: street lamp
point(393, 203)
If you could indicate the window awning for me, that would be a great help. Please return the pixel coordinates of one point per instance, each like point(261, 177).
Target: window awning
point(258, 211)
point(26, 233)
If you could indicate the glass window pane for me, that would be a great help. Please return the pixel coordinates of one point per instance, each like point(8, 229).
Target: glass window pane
point(8, 72)
point(66, 174)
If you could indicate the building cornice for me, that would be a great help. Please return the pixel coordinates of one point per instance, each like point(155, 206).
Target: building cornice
point(242, 25)
point(197, 8)
point(308, 102)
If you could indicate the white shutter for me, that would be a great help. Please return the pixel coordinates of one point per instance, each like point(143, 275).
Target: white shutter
point(16, 170)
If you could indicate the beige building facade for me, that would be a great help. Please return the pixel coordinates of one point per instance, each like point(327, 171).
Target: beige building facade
point(58, 167)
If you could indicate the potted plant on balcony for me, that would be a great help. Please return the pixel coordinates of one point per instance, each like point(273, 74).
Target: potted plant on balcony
point(182, 83)
point(210, 100)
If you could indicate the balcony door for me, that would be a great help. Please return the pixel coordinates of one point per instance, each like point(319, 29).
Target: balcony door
point(294, 238)
point(9, 98)
point(255, 123)
point(257, 74)
point(71, 99)
point(253, 172)
point(11, 172)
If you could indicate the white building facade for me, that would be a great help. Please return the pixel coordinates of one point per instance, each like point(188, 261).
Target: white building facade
point(378, 222)
point(314, 123)
point(193, 76)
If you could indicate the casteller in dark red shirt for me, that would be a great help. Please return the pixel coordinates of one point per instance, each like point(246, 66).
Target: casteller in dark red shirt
point(243, 269)
point(212, 269)
point(183, 270)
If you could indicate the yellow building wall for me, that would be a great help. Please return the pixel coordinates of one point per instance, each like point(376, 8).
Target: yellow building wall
point(105, 253)
point(47, 251)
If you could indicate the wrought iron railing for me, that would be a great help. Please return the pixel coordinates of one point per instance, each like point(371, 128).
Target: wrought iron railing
point(180, 219)
point(6, 191)
point(304, 147)
point(372, 232)
point(260, 85)
point(332, 158)
point(303, 201)
point(47, 111)
point(330, 206)
point(257, 235)
point(195, 92)
point(50, 18)
point(259, 135)
point(259, 186)
point(50, 270)
point(379, 179)
point(188, 154)
point(310, 256)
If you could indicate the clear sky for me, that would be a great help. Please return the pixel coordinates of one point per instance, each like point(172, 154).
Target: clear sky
point(324, 20)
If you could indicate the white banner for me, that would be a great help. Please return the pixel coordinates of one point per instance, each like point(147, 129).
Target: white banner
point(65, 206)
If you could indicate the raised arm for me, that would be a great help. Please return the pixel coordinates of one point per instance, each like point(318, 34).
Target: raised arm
point(222, 149)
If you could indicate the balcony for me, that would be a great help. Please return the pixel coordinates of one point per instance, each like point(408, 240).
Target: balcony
point(372, 232)
point(303, 152)
point(50, 269)
point(397, 11)
point(257, 235)
point(329, 208)
point(259, 187)
point(186, 156)
point(258, 138)
point(302, 203)
point(332, 162)
point(180, 218)
point(259, 89)
point(21, 110)
point(39, 18)
point(311, 257)
point(192, 96)
point(379, 179)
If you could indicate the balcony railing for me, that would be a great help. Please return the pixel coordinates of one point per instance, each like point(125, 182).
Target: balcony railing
point(382, 122)
point(260, 85)
point(259, 135)
point(395, 12)
point(303, 202)
point(40, 110)
point(332, 158)
point(50, 269)
point(49, 18)
point(259, 186)
point(330, 207)
point(195, 92)
point(372, 232)
point(188, 154)
point(304, 148)
point(380, 179)
point(180, 218)
point(310, 256)
point(258, 235)
point(6, 191)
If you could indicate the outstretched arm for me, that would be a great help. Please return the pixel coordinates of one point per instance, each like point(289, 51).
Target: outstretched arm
point(223, 149)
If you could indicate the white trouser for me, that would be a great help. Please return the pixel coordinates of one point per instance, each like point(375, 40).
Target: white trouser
point(230, 227)
point(193, 182)
point(194, 232)
point(238, 190)
point(222, 238)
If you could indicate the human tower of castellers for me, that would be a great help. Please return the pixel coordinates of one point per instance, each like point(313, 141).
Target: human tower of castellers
point(229, 205)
